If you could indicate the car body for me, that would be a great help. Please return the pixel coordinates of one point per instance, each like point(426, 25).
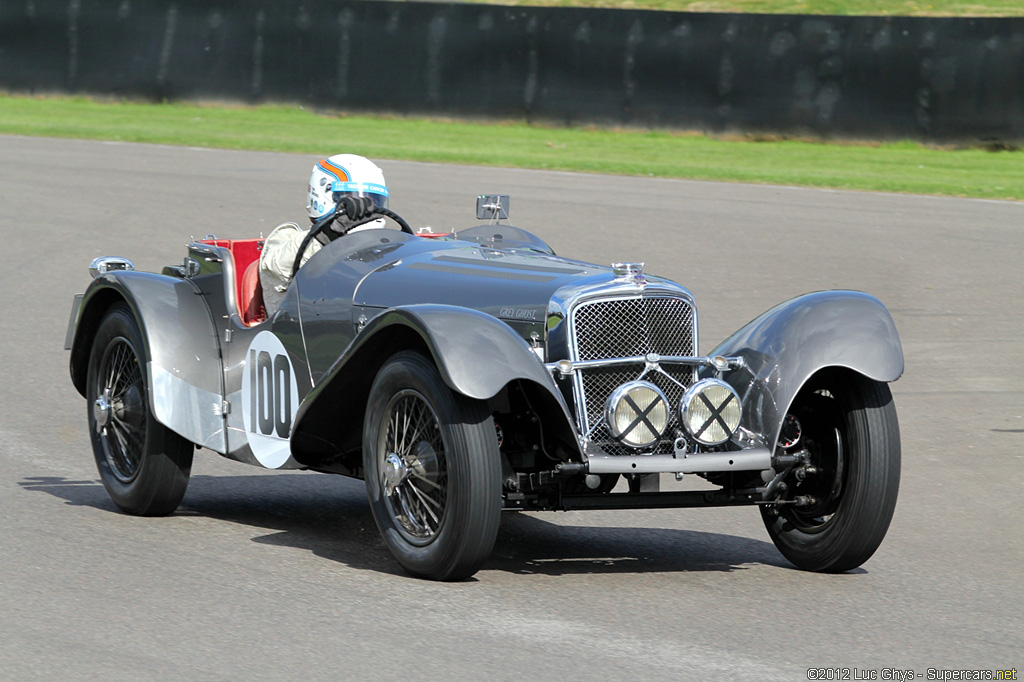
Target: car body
point(477, 371)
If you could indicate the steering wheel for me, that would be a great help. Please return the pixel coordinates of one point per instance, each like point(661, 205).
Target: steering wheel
point(350, 212)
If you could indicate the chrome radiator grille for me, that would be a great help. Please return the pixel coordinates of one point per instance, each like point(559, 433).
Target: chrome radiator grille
point(615, 328)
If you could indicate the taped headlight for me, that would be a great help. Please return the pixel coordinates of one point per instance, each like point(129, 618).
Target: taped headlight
point(710, 411)
point(637, 414)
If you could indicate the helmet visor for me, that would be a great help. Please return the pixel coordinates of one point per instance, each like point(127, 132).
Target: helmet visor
point(378, 194)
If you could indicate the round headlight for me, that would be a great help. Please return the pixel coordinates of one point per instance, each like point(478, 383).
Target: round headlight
point(710, 411)
point(637, 414)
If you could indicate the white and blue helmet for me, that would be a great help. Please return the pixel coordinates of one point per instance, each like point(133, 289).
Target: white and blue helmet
point(344, 174)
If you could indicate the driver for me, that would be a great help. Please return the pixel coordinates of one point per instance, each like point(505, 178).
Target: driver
point(333, 177)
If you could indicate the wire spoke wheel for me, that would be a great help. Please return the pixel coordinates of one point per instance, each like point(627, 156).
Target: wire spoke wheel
point(432, 470)
point(143, 465)
point(414, 471)
point(120, 410)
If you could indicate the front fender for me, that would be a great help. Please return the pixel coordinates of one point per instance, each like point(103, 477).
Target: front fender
point(476, 354)
point(787, 345)
point(181, 349)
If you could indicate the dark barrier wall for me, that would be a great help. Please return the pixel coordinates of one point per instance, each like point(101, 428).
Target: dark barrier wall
point(878, 77)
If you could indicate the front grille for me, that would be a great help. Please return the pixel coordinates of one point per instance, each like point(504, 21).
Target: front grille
point(629, 327)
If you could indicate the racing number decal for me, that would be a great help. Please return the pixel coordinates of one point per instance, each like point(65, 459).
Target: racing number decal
point(270, 405)
point(271, 399)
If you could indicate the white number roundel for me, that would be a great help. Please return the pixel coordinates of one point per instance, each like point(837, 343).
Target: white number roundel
point(270, 399)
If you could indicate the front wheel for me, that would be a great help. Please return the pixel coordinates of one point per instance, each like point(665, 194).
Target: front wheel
point(432, 469)
point(143, 465)
point(847, 425)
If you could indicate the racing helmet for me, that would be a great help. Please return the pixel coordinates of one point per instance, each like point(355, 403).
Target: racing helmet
point(343, 174)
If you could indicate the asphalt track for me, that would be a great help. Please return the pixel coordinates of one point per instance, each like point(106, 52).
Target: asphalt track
point(270, 576)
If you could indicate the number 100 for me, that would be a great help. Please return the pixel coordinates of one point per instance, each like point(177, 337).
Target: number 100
point(270, 400)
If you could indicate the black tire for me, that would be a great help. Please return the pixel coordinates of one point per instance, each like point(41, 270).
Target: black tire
point(143, 465)
point(435, 493)
point(849, 426)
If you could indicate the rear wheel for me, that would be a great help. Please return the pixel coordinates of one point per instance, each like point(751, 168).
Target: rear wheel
point(848, 426)
point(432, 469)
point(143, 465)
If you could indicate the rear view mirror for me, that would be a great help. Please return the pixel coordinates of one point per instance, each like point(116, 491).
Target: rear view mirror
point(492, 206)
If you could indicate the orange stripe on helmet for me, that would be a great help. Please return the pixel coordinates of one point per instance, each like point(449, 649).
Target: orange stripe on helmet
point(327, 165)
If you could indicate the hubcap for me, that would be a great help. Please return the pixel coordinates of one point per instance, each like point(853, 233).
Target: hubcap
point(101, 412)
point(395, 471)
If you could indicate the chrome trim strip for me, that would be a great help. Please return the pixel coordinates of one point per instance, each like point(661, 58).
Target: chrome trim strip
point(754, 459)
point(568, 367)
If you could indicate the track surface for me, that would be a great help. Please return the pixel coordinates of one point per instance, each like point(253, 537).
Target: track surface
point(282, 575)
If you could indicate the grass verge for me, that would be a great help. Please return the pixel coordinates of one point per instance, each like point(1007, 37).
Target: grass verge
point(897, 167)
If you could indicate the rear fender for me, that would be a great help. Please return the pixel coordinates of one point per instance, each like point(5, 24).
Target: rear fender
point(181, 349)
point(476, 354)
point(785, 346)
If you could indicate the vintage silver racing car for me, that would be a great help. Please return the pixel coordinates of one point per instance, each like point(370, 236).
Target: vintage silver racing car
point(467, 373)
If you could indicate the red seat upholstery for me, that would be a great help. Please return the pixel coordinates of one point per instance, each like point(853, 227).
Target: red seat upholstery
point(250, 301)
point(245, 254)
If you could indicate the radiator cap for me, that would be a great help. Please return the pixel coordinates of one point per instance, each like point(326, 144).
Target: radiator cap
point(630, 272)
